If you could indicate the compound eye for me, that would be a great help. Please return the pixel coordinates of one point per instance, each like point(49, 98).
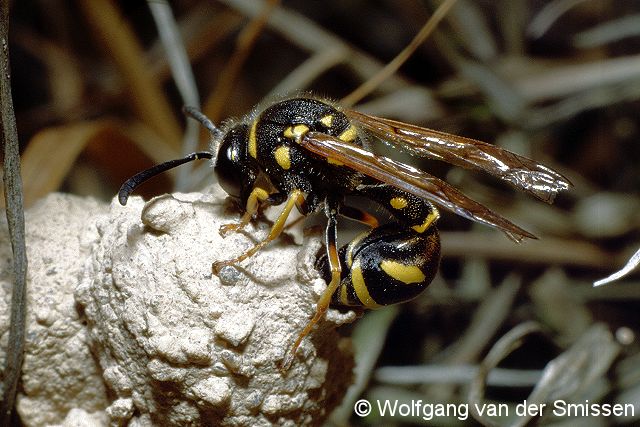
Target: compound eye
point(228, 168)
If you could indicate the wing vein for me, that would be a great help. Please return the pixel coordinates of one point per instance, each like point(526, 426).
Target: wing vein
point(521, 172)
point(410, 179)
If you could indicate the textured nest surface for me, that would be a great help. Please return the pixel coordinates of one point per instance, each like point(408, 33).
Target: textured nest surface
point(153, 337)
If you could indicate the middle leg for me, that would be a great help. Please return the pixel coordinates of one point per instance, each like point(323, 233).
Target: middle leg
point(331, 210)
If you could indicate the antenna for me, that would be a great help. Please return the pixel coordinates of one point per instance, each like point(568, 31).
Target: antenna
point(129, 185)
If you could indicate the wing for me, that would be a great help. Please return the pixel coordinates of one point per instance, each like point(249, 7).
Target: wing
point(523, 173)
point(410, 179)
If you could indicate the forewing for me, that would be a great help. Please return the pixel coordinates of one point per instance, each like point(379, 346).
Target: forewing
point(410, 179)
point(520, 171)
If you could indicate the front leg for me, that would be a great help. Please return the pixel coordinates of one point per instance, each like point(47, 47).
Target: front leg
point(294, 197)
point(258, 195)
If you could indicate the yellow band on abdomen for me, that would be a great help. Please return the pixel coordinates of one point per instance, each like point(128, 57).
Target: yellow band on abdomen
point(357, 279)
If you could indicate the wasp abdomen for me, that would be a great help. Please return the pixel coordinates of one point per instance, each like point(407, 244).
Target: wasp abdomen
point(386, 265)
point(412, 211)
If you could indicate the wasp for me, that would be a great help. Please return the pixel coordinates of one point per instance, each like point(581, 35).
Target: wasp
point(311, 154)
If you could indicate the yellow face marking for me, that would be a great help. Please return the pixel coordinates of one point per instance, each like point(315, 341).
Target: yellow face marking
point(430, 219)
point(406, 274)
point(348, 135)
point(398, 203)
point(360, 287)
point(282, 157)
point(295, 132)
point(327, 120)
point(334, 162)
point(253, 143)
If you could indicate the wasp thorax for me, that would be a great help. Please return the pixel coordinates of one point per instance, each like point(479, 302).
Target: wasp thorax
point(294, 117)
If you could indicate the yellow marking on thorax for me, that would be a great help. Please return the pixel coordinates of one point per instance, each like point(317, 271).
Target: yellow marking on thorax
point(398, 203)
point(334, 162)
point(430, 219)
point(406, 274)
point(253, 142)
point(348, 135)
point(295, 132)
point(327, 120)
point(282, 157)
point(357, 279)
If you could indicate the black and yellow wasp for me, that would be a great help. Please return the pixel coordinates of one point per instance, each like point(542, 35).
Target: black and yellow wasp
point(312, 154)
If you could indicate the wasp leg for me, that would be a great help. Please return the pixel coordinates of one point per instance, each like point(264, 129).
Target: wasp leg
point(303, 208)
point(257, 196)
point(325, 299)
point(276, 229)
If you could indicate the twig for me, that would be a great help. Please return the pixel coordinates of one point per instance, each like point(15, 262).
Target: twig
point(609, 32)
point(245, 43)
point(202, 28)
point(368, 86)
point(505, 345)
point(631, 265)
point(300, 77)
point(548, 15)
point(543, 82)
point(15, 220)
point(457, 374)
point(573, 105)
point(369, 339)
point(574, 371)
point(311, 37)
point(486, 321)
point(469, 21)
point(182, 75)
point(120, 42)
point(545, 251)
point(175, 51)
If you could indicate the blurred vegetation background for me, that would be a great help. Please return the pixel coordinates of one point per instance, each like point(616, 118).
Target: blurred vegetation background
point(557, 81)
